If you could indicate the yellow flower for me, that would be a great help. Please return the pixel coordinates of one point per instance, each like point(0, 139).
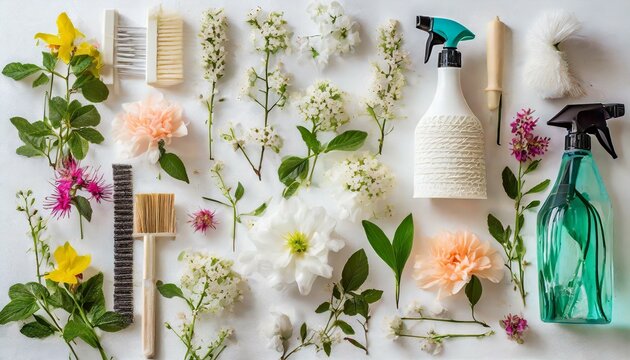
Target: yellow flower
point(62, 43)
point(85, 48)
point(69, 265)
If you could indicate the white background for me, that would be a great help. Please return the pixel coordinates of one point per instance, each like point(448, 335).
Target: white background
point(599, 56)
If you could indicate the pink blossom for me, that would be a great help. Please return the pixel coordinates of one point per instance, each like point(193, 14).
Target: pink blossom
point(60, 202)
point(515, 327)
point(203, 220)
point(526, 146)
point(98, 189)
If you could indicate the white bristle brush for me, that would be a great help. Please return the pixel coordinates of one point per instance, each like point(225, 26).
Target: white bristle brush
point(155, 51)
point(546, 67)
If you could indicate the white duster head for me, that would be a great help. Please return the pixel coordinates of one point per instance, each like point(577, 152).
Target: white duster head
point(546, 67)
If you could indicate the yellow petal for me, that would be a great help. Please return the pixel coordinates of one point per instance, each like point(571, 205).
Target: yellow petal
point(65, 255)
point(79, 264)
point(48, 38)
point(60, 276)
point(66, 29)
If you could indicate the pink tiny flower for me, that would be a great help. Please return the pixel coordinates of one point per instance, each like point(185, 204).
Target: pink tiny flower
point(60, 202)
point(203, 220)
point(526, 146)
point(98, 189)
point(515, 327)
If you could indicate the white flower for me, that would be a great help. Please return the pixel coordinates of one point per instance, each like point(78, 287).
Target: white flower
point(323, 106)
point(266, 136)
point(213, 36)
point(292, 244)
point(435, 310)
point(233, 135)
point(277, 331)
point(389, 78)
point(395, 327)
point(432, 345)
point(213, 278)
point(271, 34)
point(321, 337)
point(338, 33)
point(278, 82)
point(362, 185)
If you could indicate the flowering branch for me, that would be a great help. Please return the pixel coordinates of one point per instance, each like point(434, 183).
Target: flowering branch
point(525, 147)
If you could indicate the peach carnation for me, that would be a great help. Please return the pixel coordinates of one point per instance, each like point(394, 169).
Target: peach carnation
point(451, 261)
point(141, 126)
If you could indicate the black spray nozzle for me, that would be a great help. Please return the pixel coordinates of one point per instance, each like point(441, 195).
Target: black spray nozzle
point(583, 119)
point(425, 23)
point(442, 31)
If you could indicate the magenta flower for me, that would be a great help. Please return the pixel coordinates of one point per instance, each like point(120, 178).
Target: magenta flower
point(97, 188)
point(526, 146)
point(60, 202)
point(203, 220)
point(515, 327)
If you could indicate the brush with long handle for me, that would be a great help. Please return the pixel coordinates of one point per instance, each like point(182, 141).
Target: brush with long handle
point(494, 62)
point(154, 218)
point(123, 240)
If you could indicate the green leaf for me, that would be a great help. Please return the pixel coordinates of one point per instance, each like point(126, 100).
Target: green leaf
point(532, 205)
point(292, 168)
point(59, 298)
point(169, 290)
point(323, 307)
point(174, 166)
point(356, 305)
point(111, 321)
point(473, 290)
point(85, 116)
point(30, 291)
point(310, 139)
point(41, 80)
point(356, 343)
point(77, 328)
point(520, 247)
point(355, 271)
point(347, 141)
point(291, 189)
point(259, 210)
point(372, 295)
point(91, 292)
point(344, 326)
point(496, 229)
point(327, 348)
point(510, 184)
point(28, 151)
point(336, 293)
point(80, 63)
point(57, 108)
point(82, 80)
point(37, 330)
point(18, 309)
point(532, 166)
point(90, 134)
point(94, 90)
point(303, 332)
point(83, 207)
point(538, 188)
point(215, 201)
point(239, 192)
point(403, 242)
point(22, 125)
point(49, 61)
point(380, 243)
point(18, 71)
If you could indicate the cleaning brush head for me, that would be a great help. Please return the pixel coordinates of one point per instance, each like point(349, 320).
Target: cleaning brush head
point(165, 36)
point(154, 214)
point(123, 240)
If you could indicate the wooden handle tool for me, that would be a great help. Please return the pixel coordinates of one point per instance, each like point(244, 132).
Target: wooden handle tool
point(496, 30)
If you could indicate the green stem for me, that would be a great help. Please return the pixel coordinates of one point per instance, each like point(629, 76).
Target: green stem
point(397, 291)
point(81, 225)
point(446, 336)
point(423, 318)
point(210, 105)
point(267, 110)
point(310, 177)
point(89, 324)
point(233, 227)
point(381, 140)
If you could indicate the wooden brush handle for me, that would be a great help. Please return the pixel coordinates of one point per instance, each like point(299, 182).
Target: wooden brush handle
point(148, 297)
point(495, 62)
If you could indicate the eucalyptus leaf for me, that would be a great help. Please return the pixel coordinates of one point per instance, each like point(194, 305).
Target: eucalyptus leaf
point(510, 183)
point(18, 71)
point(174, 166)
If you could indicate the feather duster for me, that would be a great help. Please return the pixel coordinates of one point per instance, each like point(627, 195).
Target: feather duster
point(546, 67)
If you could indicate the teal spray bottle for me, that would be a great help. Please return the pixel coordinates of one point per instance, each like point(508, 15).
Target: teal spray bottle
point(575, 224)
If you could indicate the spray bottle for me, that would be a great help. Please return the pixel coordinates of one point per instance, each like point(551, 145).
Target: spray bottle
point(575, 224)
point(449, 159)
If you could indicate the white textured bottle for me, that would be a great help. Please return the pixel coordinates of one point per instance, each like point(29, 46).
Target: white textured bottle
point(449, 159)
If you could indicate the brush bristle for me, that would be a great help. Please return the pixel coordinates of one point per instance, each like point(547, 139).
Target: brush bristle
point(123, 240)
point(170, 37)
point(154, 213)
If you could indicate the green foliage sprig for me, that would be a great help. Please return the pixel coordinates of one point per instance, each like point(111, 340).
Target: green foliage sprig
point(346, 301)
point(395, 253)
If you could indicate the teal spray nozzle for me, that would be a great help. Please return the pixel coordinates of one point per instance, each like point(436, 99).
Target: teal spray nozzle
point(447, 32)
point(584, 119)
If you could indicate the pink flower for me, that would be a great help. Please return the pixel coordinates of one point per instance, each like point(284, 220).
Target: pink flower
point(515, 327)
point(525, 145)
point(98, 189)
point(141, 126)
point(451, 261)
point(60, 202)
point(203, 220)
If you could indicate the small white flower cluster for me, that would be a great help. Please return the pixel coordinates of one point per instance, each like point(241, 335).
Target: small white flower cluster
point(232, 136)
point(433, 344)
point(267, 137)
point(270, 34)
point(321, 337)
point(365, 184)
point(394, 327)
point(278, 331)
point(389, 78)
point(278, 82)
point(213, 278)
point(338, 33)
point(323, 106)
point(213, 36)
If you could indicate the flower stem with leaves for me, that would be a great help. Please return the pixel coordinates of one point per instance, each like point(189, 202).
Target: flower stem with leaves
point(232, 199)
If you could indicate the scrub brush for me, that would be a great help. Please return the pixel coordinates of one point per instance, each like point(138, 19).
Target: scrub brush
point(155, 51)
point(154, 217)
point(123, 240)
